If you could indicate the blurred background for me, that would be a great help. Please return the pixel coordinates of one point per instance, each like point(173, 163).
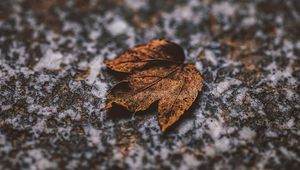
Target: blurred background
point(53, 84)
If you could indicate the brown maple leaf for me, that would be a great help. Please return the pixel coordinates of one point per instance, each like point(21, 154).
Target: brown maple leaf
point(82, 74)
point(155, 51)
point(174, 85)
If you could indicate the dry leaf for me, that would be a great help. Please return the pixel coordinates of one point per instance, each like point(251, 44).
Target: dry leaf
point(82, 74)
point(154, 52)
point(174, 85)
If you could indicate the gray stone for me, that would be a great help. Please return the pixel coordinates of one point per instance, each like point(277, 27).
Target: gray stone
point(247, 117)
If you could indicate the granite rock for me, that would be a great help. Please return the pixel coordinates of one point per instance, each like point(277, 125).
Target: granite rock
point(53, 84)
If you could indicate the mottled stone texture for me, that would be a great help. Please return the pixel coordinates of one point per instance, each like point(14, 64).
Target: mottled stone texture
point(53, 84)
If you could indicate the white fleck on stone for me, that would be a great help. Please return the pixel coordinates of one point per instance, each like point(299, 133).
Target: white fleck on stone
point(210, 56)
point(164, 153)
point(93, 136)
point(298, 45)
point(215, 128)
point(290, 123)
point(2, 139)
point(136, 4)
point(225, 85)
point(73, 164)
point(95, 34)
point(5, 107)
point(199, 66)
point(99, 89)
point(241, 95)
point(224, 8)
point(209, 150)
point(39, 127)
point(72, 26)
point(288, 45)
point(118, 26)
point(278, 74)
point(222, 144)
point(288, 154)
point(183, 13)
point(191, 160)
point(51, 60)
point(249, 21)
point(137, 161)
point(71, 113)
point(271, 134)
point(185, 127)
point(247, 134)
point(95, 67)
point(290, 94)
point(64, 131)
point(40, 161)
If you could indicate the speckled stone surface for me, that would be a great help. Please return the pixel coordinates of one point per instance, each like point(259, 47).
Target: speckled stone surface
point(53, 84)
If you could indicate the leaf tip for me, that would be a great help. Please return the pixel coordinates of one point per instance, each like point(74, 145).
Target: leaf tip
point(163, 128)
